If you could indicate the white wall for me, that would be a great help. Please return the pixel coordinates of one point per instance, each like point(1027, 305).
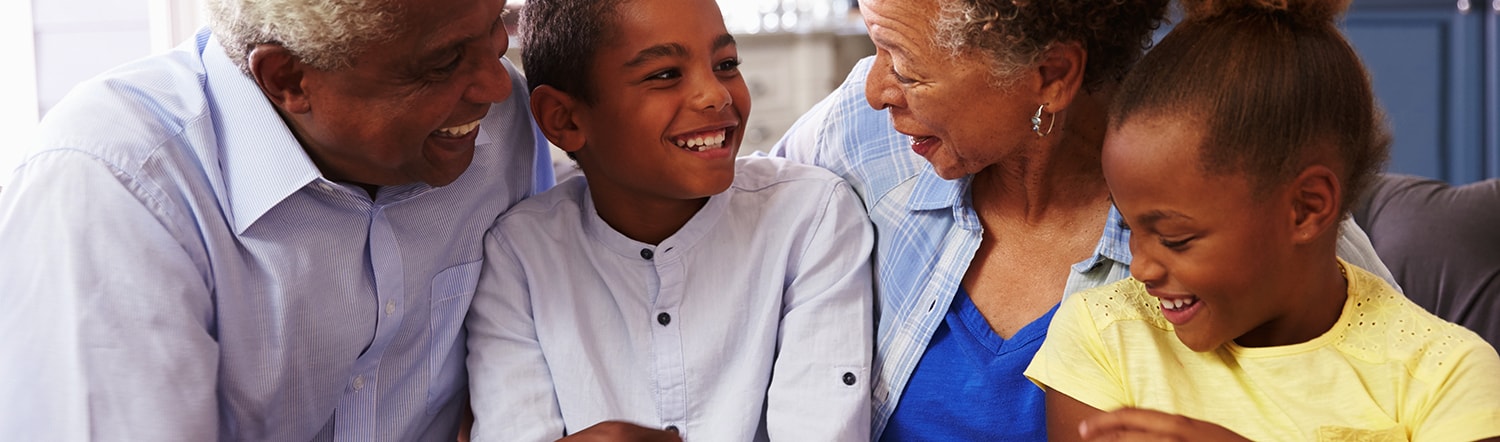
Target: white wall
point(18, 107)
point(60, 43)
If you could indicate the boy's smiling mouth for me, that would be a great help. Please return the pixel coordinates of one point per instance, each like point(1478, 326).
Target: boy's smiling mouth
point(702, 141)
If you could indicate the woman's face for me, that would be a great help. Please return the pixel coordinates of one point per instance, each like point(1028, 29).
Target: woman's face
point(957, 118)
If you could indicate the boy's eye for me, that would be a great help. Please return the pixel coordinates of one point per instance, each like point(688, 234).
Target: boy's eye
point(665, 74)
point(728, 65)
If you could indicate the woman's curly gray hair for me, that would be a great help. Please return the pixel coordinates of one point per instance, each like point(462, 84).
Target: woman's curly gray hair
point(1014, 33)
point(326, 34)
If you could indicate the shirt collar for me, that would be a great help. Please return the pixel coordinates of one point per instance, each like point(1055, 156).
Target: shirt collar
point(1114, 244)
point(263, 163)
point(932, 192)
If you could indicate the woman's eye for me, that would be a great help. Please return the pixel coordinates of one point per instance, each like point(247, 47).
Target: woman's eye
point(901, 78)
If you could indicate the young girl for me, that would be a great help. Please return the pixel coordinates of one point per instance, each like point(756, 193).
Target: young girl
point(1234, 150)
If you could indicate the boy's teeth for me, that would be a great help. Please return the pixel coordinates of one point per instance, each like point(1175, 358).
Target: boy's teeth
point(702, 142)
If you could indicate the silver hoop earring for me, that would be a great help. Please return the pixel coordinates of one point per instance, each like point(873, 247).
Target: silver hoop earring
point(1036, 122)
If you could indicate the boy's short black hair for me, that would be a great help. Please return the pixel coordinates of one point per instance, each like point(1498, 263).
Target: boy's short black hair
point(559, 40)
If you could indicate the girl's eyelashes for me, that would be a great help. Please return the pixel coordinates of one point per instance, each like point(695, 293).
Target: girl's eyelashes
point(1178, 244)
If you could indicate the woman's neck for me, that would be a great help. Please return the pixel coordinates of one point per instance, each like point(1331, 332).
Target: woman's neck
point(1061, 176)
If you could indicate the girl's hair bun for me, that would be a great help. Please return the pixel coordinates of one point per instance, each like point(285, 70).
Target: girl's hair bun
point(1300, 11)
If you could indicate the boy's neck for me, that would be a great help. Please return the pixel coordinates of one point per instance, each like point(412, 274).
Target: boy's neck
point(648, 220)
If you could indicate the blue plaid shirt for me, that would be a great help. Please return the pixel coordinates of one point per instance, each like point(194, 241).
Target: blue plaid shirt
point(926, 230)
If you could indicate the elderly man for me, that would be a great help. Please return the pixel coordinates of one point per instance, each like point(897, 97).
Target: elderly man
point(269, 233)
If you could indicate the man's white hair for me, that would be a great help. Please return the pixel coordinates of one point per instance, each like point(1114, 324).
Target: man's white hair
point(326, 34)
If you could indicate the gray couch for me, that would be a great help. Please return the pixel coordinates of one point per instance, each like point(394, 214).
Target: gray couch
point(1442, 243)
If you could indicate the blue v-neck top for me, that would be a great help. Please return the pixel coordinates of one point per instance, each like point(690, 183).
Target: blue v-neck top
point(969, 386)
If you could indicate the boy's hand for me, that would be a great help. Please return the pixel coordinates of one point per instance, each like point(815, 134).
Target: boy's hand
point(615, 431)
point(1137, 424)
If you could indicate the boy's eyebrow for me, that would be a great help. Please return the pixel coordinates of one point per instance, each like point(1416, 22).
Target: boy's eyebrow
point(655, 52)
point(673, 50)
point(722, 41)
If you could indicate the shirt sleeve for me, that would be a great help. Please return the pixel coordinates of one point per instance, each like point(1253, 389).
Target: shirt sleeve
point(107, 325)
point(1074, 361)
point(820, 386)
point(510, 384)
point(1355, 247)
point(1465, 404)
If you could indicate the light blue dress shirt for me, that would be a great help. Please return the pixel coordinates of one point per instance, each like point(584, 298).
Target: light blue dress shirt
point(927, 230)
point(751, 322)
point(175, 268)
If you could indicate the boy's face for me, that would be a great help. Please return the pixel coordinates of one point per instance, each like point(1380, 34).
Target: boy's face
point(670, 105)
point(1201, 244)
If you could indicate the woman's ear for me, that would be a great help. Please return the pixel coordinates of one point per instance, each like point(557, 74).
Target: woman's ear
point(280, 76)
point(556, 114)
point(1061, 70)
point(1315, 195)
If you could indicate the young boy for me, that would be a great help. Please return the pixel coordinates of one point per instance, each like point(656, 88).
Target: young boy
point(672, 286)
point(1233, 151)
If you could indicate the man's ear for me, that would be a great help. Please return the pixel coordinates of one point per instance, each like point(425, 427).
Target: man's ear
point(280, 76)
point(1061, 68)
point(556, 113)
point(1315, 196)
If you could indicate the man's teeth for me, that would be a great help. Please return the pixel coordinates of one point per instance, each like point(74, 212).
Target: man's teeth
point(1178, 304)
point(703, 141)
point(458, 131)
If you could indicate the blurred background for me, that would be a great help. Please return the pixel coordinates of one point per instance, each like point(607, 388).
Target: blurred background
point(1435, 64)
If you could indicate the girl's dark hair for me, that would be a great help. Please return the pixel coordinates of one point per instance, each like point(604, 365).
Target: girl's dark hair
point(1273, 84)
point(559, 40)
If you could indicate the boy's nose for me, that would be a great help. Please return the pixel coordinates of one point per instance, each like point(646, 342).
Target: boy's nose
point(712, 95)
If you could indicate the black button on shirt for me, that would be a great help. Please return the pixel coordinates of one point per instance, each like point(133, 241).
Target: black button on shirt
point(849, 378)
point(646, 253)
point(664, 318)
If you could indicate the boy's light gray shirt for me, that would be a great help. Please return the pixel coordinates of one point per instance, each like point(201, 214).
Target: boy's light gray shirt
point(752, 322)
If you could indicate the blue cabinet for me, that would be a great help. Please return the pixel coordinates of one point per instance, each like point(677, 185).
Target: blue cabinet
point(1433, 64)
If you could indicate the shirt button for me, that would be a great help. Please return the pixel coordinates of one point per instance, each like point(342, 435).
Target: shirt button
point(359, 382)
point(646, 253)
point(390, 307)
point(664, 318)
point(849, 378)
point(672, 428)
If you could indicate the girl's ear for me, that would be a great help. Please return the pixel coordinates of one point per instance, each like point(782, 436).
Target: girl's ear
point(1315, 195)
point(556, 114)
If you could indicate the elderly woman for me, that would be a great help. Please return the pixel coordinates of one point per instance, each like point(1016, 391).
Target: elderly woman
point(984, 182)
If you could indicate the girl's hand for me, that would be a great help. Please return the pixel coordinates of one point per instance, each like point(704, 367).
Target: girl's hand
point(1137, 424)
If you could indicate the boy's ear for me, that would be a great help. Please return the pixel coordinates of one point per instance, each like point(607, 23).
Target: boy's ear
point(1061, 71)
point(280, 76)
point(1315, 195)
point(556, 114)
